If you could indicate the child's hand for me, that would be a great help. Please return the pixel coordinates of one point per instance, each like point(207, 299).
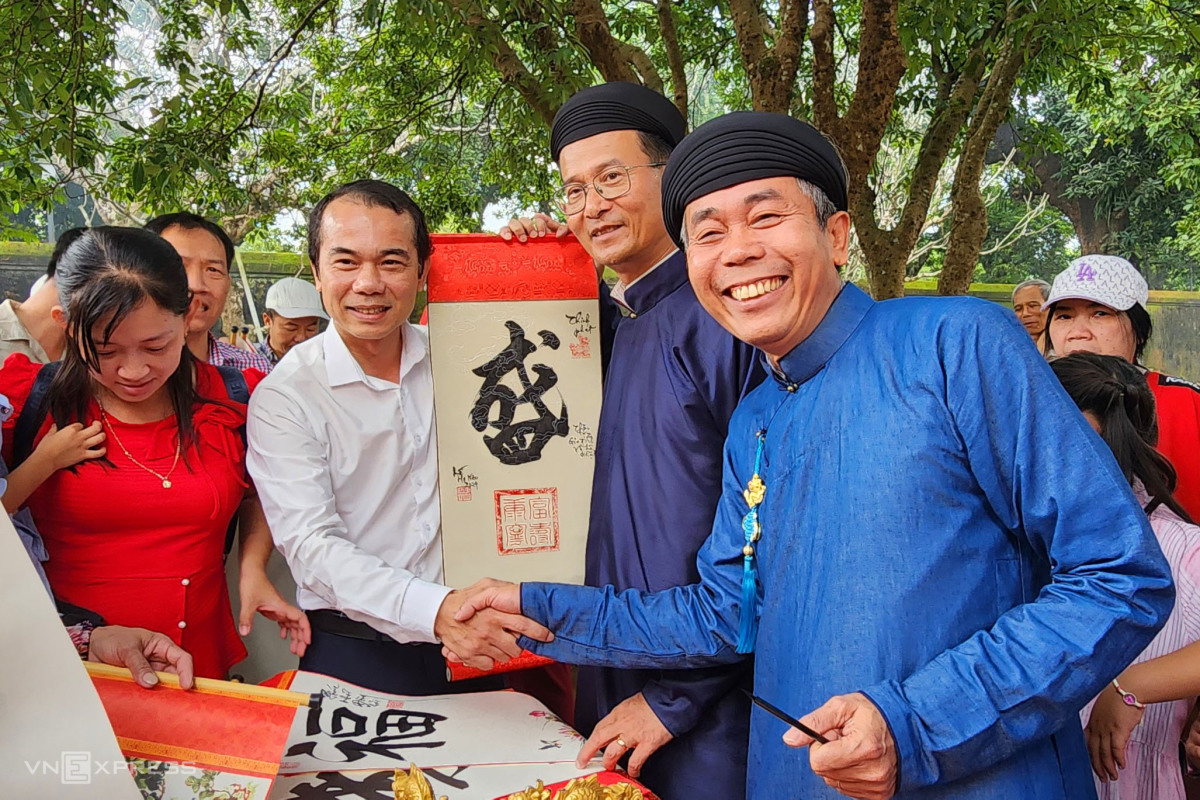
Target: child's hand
point(66, 447)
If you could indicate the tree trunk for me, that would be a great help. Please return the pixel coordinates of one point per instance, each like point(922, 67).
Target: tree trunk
point(1095, 230)
point(886, 254)
point(770, 64)
point(968, 216)
point(670, 37)
point(616, 60)
point(857, 135)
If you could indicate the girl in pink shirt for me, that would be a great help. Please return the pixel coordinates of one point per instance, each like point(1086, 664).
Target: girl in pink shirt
point(1133, 727)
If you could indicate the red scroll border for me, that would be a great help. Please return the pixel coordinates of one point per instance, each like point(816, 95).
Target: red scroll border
point(479, 267)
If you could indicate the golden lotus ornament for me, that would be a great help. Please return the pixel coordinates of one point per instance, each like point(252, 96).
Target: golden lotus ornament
point(412, 785)
point(536, 792)
point(623, 791)
point(582, 789)
point(588, 788)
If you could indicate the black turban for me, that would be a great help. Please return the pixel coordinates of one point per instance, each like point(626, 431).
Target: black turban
point(748, 146)
point(616, 106)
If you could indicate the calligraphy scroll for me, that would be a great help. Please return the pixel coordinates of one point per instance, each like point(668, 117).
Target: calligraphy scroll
point(457, 783)
point(358, 729)
point(513, 334)
point(197, 744)
point(470, 746)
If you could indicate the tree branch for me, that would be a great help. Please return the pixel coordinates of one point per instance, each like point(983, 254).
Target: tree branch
point(824, 80)
point(793, 27)
point(512, 70)
point(969, 219)
point(881, 66)
point(670, 37)
point(637, 57)
point(751, 39)
point(614, 59)
point(277, 58)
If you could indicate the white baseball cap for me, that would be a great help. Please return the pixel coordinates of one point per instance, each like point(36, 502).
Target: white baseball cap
point(1109, 280)
point(295, 298)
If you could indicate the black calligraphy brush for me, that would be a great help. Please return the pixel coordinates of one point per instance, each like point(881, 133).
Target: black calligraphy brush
point(775, 712)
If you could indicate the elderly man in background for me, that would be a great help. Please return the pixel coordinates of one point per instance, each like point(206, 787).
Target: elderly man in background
point(1028, 297)
point(293, 314)
point(906, 538)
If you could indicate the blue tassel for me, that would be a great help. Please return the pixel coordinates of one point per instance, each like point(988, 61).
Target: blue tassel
point(748, 627)
point(748, 617)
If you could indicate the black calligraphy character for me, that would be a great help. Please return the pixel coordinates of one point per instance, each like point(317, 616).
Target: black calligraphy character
point(453, 781)
point(342, 786)
point(518, 442)
point(372, 786)
point(394, 729)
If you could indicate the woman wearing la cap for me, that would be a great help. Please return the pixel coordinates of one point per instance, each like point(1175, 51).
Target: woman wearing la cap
point(1098, 305)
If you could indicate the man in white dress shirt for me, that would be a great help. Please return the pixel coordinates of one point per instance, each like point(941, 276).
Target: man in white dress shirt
point(344, 455)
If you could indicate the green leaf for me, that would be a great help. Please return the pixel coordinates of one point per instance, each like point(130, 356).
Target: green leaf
point(24, 95)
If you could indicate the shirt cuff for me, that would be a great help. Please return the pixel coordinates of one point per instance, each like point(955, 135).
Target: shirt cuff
point(534, 603)
point(675, 710)
point(896, 712)
point(421, 603)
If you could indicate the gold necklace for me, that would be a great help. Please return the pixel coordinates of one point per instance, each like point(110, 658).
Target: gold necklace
point(166, 479)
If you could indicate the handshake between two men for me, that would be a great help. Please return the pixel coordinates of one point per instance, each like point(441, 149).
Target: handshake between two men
point(481, 625)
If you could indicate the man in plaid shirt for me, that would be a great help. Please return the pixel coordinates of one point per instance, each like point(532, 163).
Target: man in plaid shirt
point(207, 253)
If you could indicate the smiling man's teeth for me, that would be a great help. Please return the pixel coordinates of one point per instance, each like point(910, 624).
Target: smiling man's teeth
point(752, 290)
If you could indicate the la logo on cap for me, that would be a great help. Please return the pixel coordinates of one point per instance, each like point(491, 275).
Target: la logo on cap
point(1085, 271)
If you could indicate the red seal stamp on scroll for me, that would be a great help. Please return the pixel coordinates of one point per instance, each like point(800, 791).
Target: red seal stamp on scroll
point(526, 520)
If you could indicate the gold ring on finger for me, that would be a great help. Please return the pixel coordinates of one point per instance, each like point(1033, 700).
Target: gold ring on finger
point(621, 743)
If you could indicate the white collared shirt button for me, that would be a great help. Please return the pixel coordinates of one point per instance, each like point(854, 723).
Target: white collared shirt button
point(182, 624)
point(185, 582)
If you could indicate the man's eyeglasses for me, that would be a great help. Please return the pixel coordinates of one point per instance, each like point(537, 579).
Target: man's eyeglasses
point(610, 184)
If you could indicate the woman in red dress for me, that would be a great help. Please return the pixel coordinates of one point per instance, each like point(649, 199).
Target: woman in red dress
point(138, 536)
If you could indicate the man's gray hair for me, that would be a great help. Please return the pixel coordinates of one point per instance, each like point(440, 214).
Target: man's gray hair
point(822, 206)
point(1042, 286)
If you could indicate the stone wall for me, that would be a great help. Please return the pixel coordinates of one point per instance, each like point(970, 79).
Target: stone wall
point(1175, 346)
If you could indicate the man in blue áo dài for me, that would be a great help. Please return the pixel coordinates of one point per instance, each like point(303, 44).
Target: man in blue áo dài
point(918, 535)
point(672, 379)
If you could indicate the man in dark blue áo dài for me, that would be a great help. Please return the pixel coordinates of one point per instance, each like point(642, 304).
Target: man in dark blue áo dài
point(673, 377)
point(907, 536)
